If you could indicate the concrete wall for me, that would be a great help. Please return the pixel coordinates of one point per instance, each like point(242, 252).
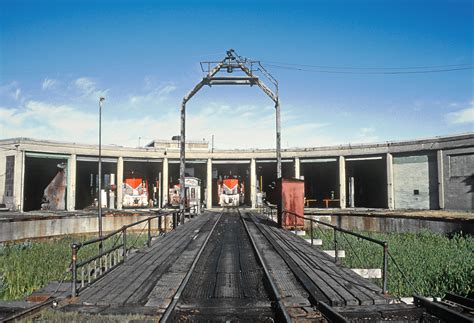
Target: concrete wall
point(50, 227)
point(459, 179)
point(415, 181)
point(3, 161)
point(455, 179)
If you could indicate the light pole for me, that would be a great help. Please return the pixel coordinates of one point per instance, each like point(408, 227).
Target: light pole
point(101, 99)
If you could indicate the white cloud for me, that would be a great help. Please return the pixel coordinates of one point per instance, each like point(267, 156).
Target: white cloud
point(365, 135)
point(49, 84)
point(462, 116)
point(47, 121)
point(153, 97)
point(11, 91)
point(88, 88)
point(17, 94)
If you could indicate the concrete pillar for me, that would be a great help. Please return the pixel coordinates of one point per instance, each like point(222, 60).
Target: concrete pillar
point(18, 180)
point(390, 188)
point(209, 184)
point(253, 182)
point(71, 182)
point(166, 185)
point(342, 182)
point(440, 163)
point(3, 170)
point(297, 168)
point(119, 183)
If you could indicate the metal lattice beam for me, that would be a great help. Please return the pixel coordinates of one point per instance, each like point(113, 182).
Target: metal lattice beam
point(230, 63)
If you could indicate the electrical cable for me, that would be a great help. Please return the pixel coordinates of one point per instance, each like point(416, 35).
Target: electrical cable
point(372, 68)
point(372, 72)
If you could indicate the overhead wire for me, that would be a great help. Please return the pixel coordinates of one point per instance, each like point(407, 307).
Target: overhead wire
point(372, 67)
point(362, 72)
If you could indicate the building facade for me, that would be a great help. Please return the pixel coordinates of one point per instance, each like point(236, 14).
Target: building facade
point(434, 173)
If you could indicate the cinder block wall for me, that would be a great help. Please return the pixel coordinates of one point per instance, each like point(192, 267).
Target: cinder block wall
point(459, 179)
point(415, 181)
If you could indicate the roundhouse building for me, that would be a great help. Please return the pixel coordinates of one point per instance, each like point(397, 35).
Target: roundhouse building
point(434, 173)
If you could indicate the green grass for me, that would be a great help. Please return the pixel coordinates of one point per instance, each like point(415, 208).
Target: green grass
point(434, 263)
point(52, 316)
point(30, 265)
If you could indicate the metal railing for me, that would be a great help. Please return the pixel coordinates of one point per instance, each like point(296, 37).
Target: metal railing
point(93, 268)
point(269, 210)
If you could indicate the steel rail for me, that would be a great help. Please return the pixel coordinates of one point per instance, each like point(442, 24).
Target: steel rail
point(167, 314)
point(276, 293)
point(27, 313)
point(443, 312)
point(302, 277)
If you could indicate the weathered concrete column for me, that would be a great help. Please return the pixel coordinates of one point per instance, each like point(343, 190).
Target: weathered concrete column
point(119, 183)
point(18, 180)
point(165, 182)
point(297, 168)
point(3, 170)
point(71, 182)
point(253, 183)
point(209, 184)
point(390, 188)
point(342, 182)
point(440, 163)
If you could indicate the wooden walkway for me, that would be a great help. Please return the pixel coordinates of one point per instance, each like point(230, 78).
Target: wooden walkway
point(227, 277)
point(132, 286)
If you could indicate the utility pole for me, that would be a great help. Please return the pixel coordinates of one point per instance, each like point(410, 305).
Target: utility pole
point(101, 100)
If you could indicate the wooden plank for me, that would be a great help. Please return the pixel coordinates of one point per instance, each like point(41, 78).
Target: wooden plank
point(357, 284)
point(181, 265)
point(321, 261)
point(328, 285)
point(138, 276)
point(97, 292)
point(110, 286)
point(361, 295)
point(315, 291)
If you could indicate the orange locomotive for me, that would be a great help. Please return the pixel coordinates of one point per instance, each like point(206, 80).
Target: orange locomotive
point(230, 191)
point(135, 191)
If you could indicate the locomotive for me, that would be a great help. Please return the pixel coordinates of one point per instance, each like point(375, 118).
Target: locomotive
point(230, 191)
point(135, 191)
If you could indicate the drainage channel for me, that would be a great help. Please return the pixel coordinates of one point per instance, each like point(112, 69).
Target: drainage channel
point(228, 281)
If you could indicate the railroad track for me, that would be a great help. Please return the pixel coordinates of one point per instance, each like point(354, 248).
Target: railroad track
point(248, 270)
point(228, 279)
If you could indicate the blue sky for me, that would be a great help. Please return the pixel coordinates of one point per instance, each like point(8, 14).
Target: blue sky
point(58, 57)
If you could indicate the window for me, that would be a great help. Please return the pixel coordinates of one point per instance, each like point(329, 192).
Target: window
point(9, 175)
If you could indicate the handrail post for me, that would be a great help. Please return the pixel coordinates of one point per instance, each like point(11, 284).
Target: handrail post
point(149, 233)
point(159, 224)
point(294, 222)
point(385, 268)
point(74, 248)
point(311, 228)
point(336, 258)
point(124, 235)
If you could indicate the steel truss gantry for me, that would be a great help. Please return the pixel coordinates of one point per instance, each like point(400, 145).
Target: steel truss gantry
point(232, 62)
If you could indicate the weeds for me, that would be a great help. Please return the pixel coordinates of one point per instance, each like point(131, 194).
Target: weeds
point(434, 263)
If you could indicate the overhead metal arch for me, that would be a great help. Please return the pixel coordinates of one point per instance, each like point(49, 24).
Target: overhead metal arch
point(229, 64)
